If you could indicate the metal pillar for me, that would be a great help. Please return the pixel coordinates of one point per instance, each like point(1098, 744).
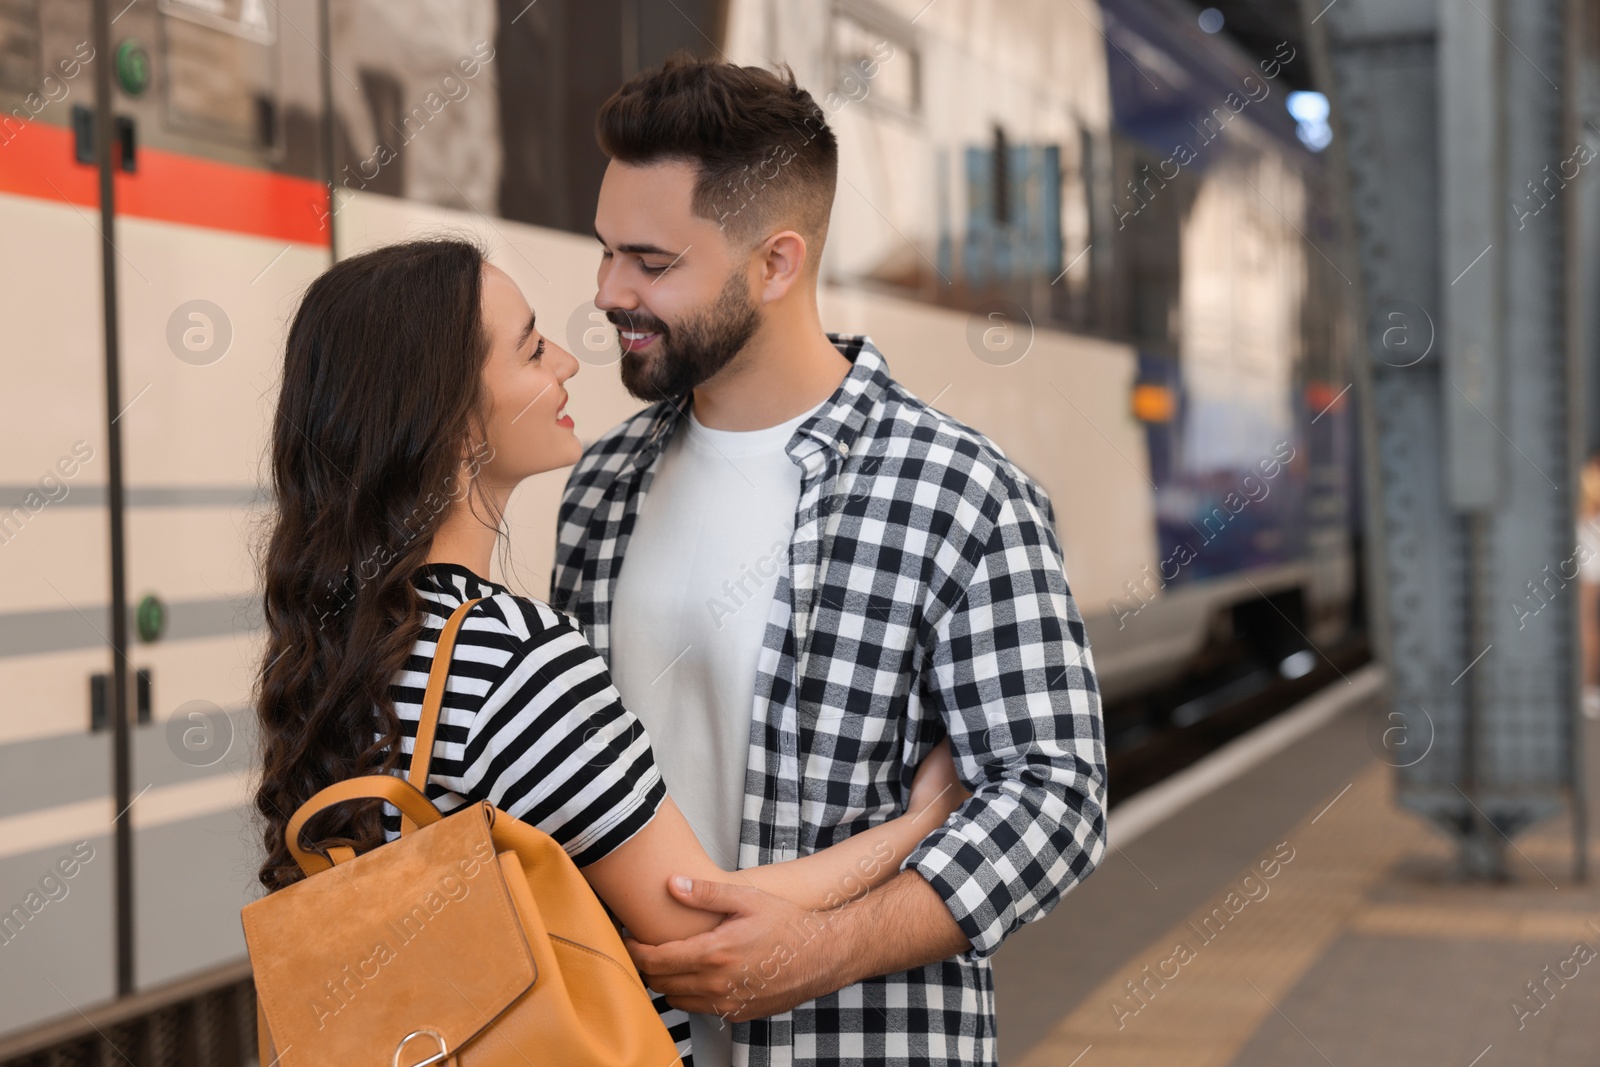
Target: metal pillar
point(1457, 144)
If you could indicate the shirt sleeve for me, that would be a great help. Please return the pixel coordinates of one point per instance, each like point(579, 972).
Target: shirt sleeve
point(553, 745)
point(1010, 672)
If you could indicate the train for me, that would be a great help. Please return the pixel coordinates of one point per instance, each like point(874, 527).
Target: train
point(1091, 231)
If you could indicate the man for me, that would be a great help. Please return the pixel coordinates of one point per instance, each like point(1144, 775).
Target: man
point(823, 577)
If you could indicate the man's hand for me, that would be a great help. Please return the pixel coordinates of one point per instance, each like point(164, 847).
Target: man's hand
point(767, 956)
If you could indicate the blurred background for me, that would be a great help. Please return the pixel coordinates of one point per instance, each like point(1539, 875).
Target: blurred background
point(1287, 305)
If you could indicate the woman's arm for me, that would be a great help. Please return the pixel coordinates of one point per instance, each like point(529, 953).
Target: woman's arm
point(632, 880)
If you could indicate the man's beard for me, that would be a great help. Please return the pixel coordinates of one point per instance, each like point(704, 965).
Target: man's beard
point(689, 354)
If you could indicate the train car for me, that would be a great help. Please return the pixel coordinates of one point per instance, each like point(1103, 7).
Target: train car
point(1158, 343)
point(145, 292)
point(1227, 283)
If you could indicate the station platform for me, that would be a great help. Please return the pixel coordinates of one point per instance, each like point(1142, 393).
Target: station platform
point(1293, 915)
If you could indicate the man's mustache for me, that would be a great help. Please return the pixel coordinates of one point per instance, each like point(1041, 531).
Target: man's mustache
point(634, 322)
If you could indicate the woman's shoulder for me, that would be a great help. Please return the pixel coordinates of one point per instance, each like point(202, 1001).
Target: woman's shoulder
point(499, 615)
point(511, 651)
point(518, 617)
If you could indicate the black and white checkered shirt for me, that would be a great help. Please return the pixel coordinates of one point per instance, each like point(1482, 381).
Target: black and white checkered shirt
point(925, 594)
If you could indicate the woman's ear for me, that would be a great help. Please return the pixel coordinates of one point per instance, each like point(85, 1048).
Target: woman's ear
point(475, 454)
point(475, 450)
point(784, 264)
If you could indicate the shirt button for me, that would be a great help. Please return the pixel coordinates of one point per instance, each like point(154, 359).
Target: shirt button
point(844, 449)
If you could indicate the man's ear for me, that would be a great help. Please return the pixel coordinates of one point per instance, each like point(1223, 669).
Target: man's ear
point(784, 263)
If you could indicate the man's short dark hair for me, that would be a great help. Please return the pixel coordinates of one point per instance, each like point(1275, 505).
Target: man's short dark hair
point(763, 148)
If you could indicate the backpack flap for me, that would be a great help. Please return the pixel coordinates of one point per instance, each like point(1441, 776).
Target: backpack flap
point(399, 955)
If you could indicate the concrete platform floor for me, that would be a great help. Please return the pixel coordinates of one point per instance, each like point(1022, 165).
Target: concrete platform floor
point(1296, 917)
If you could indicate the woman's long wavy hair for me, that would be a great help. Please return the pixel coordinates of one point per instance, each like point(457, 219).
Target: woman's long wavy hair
point(382, 392)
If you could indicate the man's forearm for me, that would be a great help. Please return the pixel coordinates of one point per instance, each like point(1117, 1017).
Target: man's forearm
point(768, 954)
point(902, 924)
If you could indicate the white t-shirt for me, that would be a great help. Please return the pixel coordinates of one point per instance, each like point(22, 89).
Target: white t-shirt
point(687, 623)
point(1589, 544)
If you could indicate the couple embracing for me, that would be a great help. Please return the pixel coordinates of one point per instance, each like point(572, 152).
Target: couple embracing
point(832, 733)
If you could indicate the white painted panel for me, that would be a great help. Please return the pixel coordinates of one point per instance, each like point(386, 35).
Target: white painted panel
point(1061, 413)
point(189, 424)
point(193, 553)
point(56, 558)
point(219, 670)
point(48, 694)
point(53, 353)
point(53, 552)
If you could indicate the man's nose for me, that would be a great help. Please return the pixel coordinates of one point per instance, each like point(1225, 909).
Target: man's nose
point(612, 294)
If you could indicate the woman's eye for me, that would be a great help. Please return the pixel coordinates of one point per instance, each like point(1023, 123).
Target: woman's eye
point(538, 350)
point(648, 269)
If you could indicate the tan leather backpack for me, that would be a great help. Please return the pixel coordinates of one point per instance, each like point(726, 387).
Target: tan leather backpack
point(471, 940)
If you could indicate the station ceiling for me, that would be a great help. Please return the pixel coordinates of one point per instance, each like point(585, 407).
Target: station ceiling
point(1259, 26)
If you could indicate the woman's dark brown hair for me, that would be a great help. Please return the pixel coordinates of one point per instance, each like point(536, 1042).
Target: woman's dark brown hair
point(381, 394)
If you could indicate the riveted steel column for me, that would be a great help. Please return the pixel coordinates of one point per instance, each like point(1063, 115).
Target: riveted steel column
point(1453, 135)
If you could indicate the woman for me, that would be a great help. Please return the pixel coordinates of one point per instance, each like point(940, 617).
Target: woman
point(417, 392)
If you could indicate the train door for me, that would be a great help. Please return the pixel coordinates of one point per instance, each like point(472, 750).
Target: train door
point(220, 225)
point(220, 221)
point(57, 884)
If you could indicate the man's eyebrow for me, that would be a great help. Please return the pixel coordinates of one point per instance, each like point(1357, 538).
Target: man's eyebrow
point(638, 250)
point(527, 331)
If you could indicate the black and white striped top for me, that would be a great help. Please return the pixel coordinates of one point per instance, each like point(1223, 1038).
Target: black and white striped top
point(530, 720)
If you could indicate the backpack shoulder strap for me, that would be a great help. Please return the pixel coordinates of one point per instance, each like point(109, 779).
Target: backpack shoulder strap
point(432, 701)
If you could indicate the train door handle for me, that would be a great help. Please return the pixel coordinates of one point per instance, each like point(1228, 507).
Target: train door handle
point(126, 139)
point(100, 699)
point(125, 136)
point(83, 134)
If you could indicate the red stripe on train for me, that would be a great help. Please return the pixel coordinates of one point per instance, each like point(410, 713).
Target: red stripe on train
point(36, 160)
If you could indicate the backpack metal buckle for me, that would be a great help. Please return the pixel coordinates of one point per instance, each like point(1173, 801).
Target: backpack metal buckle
point(443, 1054)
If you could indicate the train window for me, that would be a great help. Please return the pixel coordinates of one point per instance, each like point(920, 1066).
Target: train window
point(556, 68)
point(1001, 193)
point(489, 106)
point(992, 201)
point(218, 70)
point(1149, 221)
point(246, 19)
point(19, 44)
point(653, 31)
point(875, 58)
point(45, 71)
point(1070, 289)
point(1013, 224)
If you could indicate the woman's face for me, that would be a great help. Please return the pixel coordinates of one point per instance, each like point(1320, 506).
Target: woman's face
point(528, 429)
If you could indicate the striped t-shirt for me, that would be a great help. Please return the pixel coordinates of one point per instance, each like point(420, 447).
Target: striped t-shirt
point(530, 720)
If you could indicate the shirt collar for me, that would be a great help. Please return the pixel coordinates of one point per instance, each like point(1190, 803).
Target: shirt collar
point(835, 427)
point(454, 582)
point(845, 415)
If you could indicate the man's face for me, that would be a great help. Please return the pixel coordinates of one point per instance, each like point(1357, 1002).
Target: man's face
point(677, 289)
